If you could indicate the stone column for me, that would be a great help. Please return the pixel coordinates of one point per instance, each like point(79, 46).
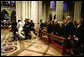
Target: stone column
point(17, 15)
point(10, 16)
point(18, 10)
point(44, 12)
point(47, 11)
point(27, 9)
point(40, 11)
point(29, 3)
point(59, 10)
point(23, 10)
point(77, 10)
point(34, 12)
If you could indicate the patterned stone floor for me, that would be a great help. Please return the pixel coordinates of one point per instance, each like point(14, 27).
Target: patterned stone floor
point(29, 47)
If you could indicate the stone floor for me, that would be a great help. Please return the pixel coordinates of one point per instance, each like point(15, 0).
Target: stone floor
point(29, 47)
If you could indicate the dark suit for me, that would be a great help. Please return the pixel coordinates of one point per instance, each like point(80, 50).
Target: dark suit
point(41, 26)
point(60, 30)
point(26, 28)
point(55, 29)
point(68, 29)
point(50, 28)
point(31, 26)
point(14, 29)
point(79, 33)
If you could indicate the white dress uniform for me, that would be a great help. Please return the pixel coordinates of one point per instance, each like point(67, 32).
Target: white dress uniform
point(20, 28)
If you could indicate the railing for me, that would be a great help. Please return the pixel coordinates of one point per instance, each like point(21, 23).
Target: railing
point(54, 41)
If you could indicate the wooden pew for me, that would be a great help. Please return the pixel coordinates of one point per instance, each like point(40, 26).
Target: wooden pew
point(54, 41)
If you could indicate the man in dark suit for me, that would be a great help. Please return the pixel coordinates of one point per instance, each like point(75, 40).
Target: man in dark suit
point(68, 27)
point(79, 33)
point(14, 28)
point(41, 25)
point(55, 28)
point(50, 27)
point(26, 28)
point(32, 26)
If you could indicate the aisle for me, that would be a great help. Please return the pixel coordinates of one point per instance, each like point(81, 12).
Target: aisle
point(29, 47)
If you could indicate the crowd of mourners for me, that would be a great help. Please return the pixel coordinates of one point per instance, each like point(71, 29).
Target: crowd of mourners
point(72, 31)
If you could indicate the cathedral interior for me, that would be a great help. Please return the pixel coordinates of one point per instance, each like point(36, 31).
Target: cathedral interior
point(41, 43)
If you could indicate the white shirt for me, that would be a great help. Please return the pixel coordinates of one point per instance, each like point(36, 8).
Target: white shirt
point(20, 26)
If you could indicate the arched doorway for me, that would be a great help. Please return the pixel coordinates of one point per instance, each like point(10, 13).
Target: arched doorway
point(4, 19)
point(13, 15)
point(4, 15)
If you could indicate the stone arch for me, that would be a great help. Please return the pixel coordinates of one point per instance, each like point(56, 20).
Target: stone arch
point(2, 9)
point(4, 14)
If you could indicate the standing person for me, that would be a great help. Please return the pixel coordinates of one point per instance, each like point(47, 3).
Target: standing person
point(31, 26)
point(26, 28)
point(41, 24)
point(50, 27)
point(14, 28)
point(79, 33)
point(68, 27)
point(32, 29)
point(41, 27)
point(56, 28)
